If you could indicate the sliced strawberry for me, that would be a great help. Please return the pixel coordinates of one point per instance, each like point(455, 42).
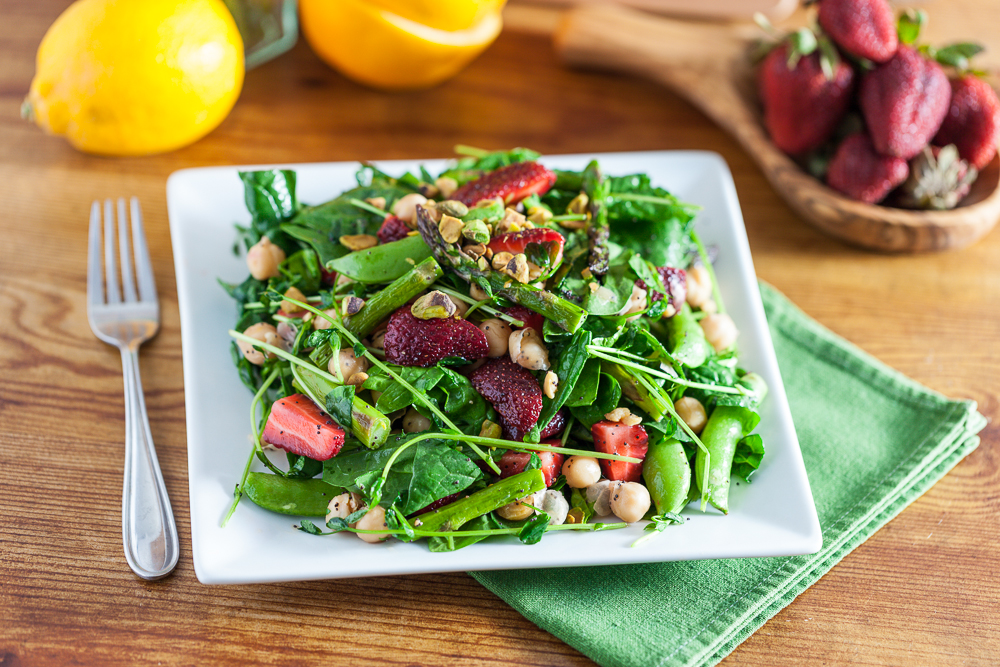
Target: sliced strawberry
point(511, 183)
point(513, 462)
point(615, 438)
point(327, 277)
point(297, 425)
point(675, 280)
point(554, 428)
point(392, 229)
point(531, 319)
point(548, 240)
point(437, 504)
point(513, 391)
point(414, 342)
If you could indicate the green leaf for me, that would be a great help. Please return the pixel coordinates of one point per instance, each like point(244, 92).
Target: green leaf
point(609, 393)
point(909, 25)
point(325, 248)
point(749, 453)
point(484, 522)
point(534, 528)
point(568, 367)
point(438, 471)
point(307, 526)
point(270, 195)
point(339, 403)
point(585, 390)
point(383, 263)
point(957, 55)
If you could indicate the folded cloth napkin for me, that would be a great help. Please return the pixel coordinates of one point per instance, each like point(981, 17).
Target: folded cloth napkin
point(873, 441)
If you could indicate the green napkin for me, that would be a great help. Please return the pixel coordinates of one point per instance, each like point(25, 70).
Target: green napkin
point(872, 441)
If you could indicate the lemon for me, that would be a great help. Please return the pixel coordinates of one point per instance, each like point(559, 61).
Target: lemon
point(134, 77)
point(382, 49)
point(442, 14)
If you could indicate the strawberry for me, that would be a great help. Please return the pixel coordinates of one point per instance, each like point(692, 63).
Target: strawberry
point(531, 319)
point(615, 438)
point(861, 173)
point(392, 229)
point(863, 28)
point(513, 391)
point(675, 280)
point(511, 183)
point(972, 122)
point(297, 425)
point(328, 278)
point(437, 504)
point(414, 342)
point(554, 428)
point(513, 462)
point(801, 106)
point(904, 102)
point(548, 241)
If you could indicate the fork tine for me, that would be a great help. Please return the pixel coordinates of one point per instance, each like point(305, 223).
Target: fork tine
point(95, 285)
point(128, 284)
point(143, 265)
point(110, 268)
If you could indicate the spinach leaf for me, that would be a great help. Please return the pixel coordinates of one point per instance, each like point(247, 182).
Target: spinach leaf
point(270, 197)
point(303, 271)
point(569, 367)
point(585, 390)
point(302, 467)
point(339, 402)
point(609, 393)
point(749, 453)
point(534, 528)
point(438, 471)
point(483, 522)
point(613, 294)
point(325, 248)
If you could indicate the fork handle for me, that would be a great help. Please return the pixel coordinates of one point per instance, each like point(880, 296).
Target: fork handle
point(148, 529)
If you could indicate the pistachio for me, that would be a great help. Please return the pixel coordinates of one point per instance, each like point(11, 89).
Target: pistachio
point(476, 230)
point(358, 241)
point(475, 291)
point(539, 215)
point(434, 305)
point(432, 211)
point(579, 204)
point(517, 268)
point(446, 185)
point(288, 306)
point(452, 207)
point(357, 379)
point(511, 222)
point(573, 224)
point(534, 271)
point(631, 420)
point(618, 414)
point(377, 202)
point(450, 228)
point(476, 250)
point(501, 259)
point(482, 264)
point(490, 430)
point(550, 384)
point(351, 305)
point(587, 274)
point(428, 190)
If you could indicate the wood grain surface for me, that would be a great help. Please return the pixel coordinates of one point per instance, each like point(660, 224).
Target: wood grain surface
point(922, 591)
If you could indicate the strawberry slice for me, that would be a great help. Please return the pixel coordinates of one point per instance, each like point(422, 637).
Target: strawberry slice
point(511, 183)
point(392, 229)
point(531, 319)
point(513, 462)
point(675, 280)
point(297, 425)
point(513, 391)
point(615, 438)
point(437, 504)
point(547, 240)
point(554, 428)
point(414, 342)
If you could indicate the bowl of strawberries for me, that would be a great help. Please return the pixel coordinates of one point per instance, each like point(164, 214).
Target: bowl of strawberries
point(869, 134)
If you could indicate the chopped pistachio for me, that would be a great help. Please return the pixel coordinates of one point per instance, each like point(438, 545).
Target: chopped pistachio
point(475, 250)
point(288, 306)
point(451, 228)
point(452, 207)
point(539, 215)
point(579, 204)
point(511, 222)
point(358, 241)
point(501, 259)
point(434, 305)
point(534, 271)
point(475, 230)
point(483, 263)
point(352, 305)
point(377, 202)
point(490, 430)
point(586, 273)
point(446, 185)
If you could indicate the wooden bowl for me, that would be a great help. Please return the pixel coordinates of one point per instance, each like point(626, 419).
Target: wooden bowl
point(707, 64)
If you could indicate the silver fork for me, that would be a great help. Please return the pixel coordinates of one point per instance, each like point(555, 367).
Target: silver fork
point(126, 320)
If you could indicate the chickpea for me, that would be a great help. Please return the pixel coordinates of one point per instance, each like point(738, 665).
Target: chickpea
point(720, 331)
point(288, 306)
point(497, 336)
point(629, 501)
point(692, 412)
point(414, 422)
point(461, 307)
point(348, 363)
point(263, 259)
point(343, 506)
point(517, 510)
point(550, 384)
point(555, 505)
point(477, 293)
point(265, 333)
point(599, 494)
point(373, 520)
point(581, 471)
point(405, 207)
point(322, 323)
point(378, 340)
point(527, 350)
point(699, 286)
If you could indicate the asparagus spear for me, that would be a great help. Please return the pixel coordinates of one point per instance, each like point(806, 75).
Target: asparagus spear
point(598, 189)
point(393, 296)
point(567, 315)
point(495, 496)
point(369, 425)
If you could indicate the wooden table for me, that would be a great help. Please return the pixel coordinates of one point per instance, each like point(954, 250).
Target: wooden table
point(922, 591)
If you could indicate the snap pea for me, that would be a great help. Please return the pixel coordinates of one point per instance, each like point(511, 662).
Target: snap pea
point(381, 263)
point(495, 496)
point(687, 339)
point(298, 497)
point(395, 294)
point(667, 475)
point(726, 426)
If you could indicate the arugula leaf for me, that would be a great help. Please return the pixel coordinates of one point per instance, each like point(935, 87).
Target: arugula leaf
point(749, 453)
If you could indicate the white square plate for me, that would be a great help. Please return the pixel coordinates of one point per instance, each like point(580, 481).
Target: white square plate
point(774, 516)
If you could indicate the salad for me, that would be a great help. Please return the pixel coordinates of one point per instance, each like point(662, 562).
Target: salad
point(498, 349)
